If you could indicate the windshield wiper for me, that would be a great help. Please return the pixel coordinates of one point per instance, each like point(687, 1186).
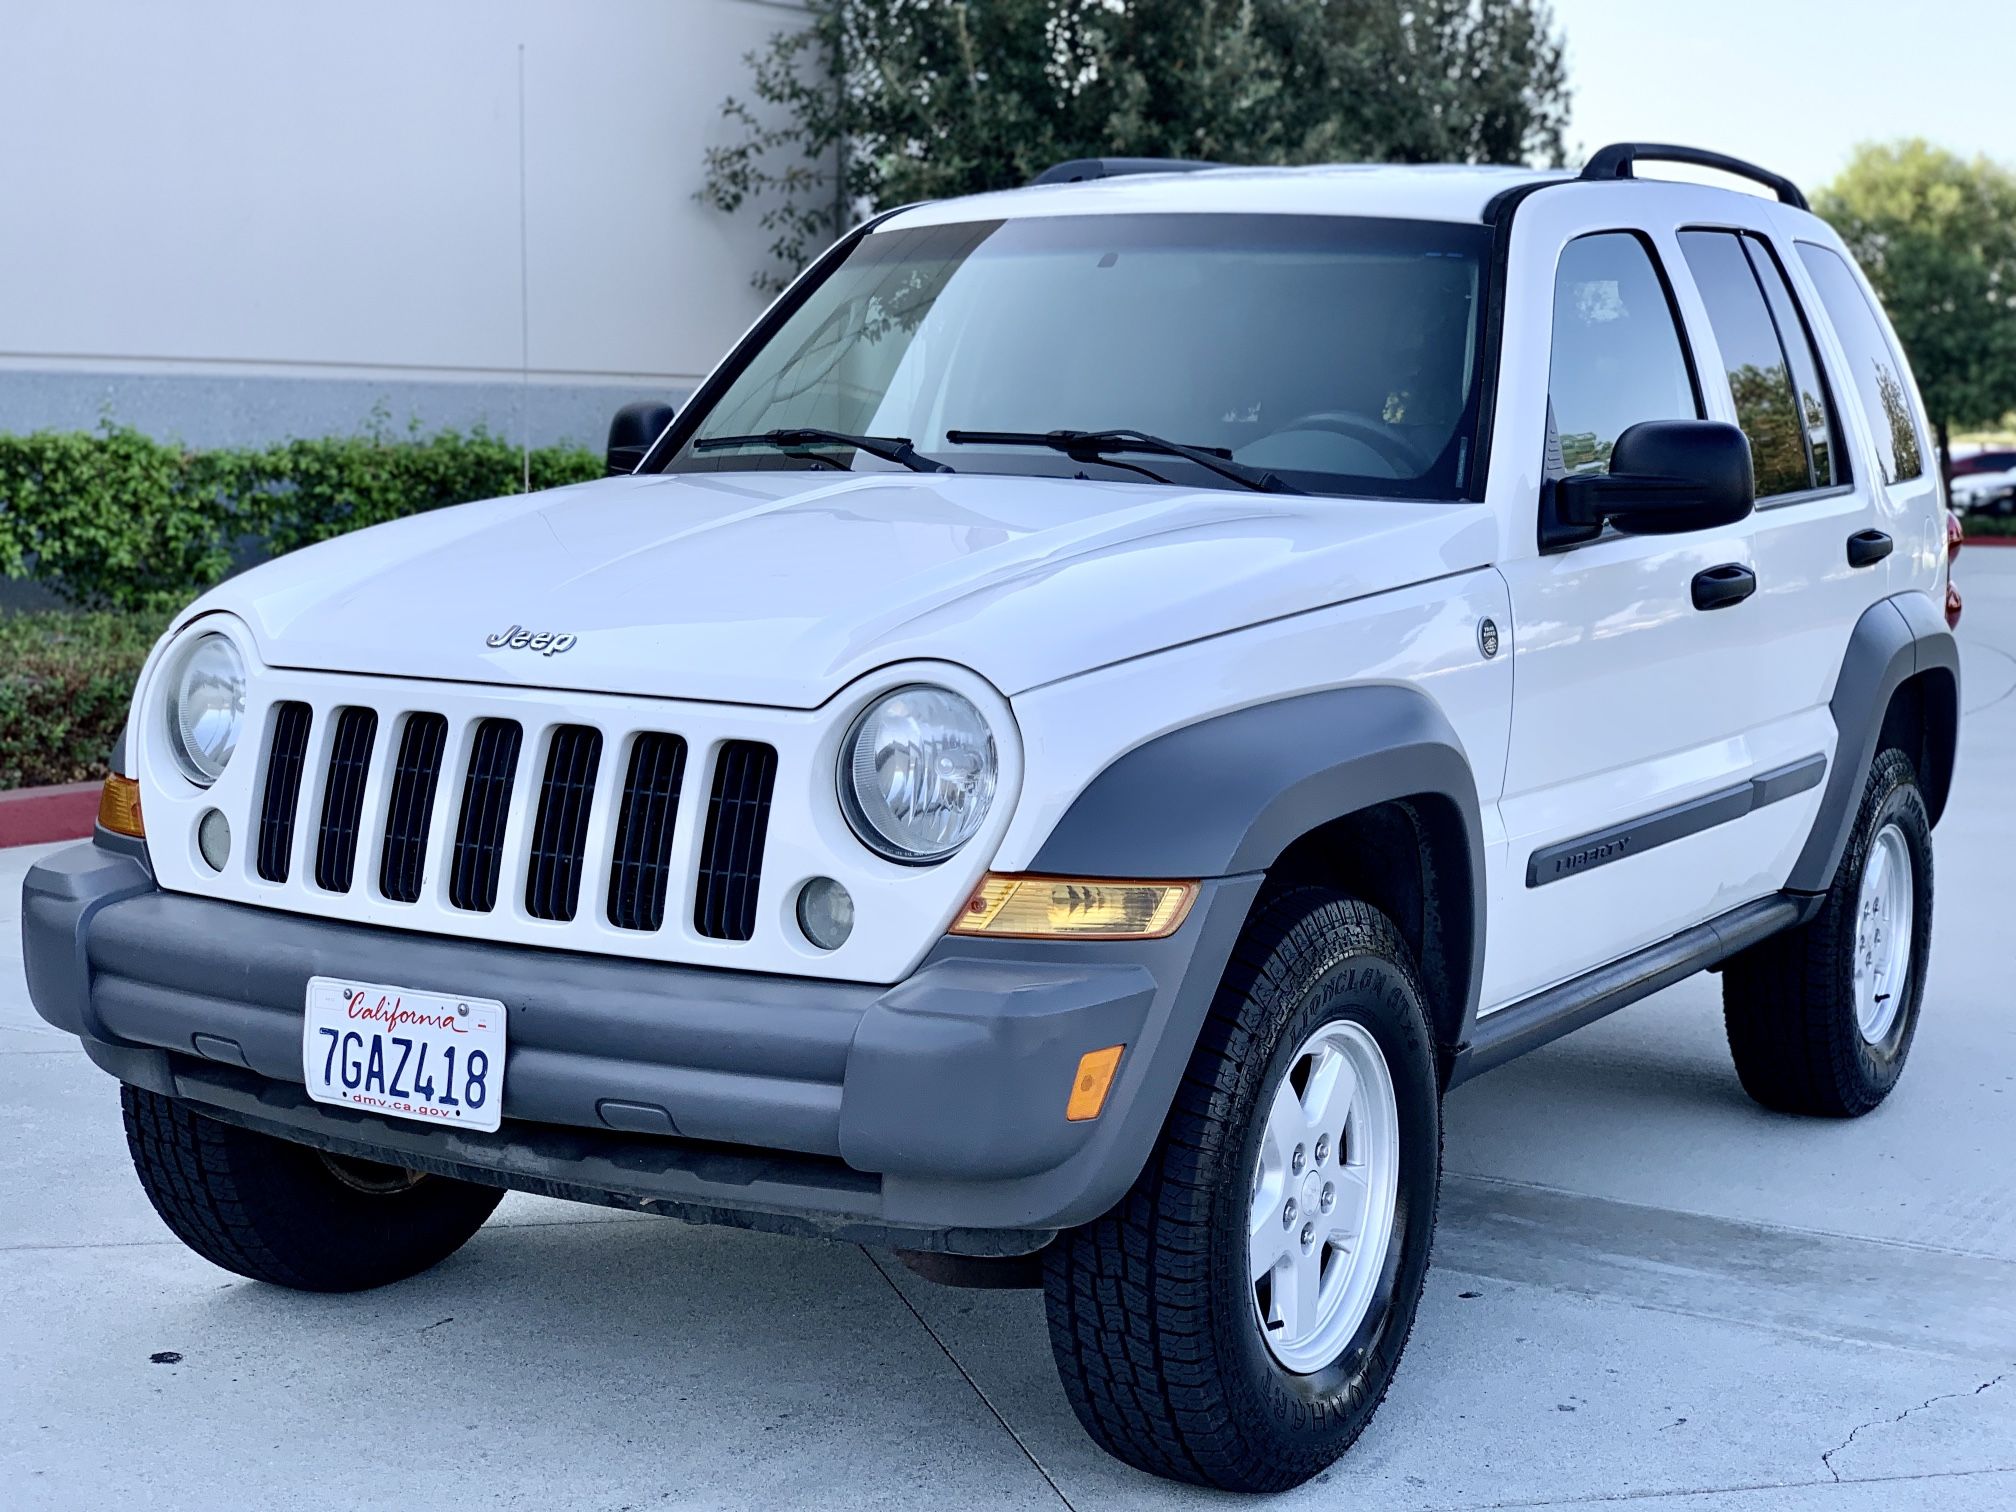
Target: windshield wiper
point(897, 449)
point(1090, 443)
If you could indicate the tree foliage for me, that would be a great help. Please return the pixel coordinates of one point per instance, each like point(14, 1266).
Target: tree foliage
point(1937, 236)
point(882, 102)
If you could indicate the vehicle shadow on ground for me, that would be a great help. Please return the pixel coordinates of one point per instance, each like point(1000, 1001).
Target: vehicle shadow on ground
point(617, 1357)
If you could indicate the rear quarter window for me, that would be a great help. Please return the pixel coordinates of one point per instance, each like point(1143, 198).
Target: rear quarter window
point(1875, 369)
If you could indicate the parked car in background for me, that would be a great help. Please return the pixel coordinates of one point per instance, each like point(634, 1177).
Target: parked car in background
point(1994, 460)
point(1986, 493)
point(1112, 699)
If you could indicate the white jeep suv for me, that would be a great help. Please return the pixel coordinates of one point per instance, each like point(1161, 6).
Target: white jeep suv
point(1111, 699)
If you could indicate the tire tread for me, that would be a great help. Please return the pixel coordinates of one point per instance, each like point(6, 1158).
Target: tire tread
point(270, 1211)
point(1128, 1297)
point(1787, 1002)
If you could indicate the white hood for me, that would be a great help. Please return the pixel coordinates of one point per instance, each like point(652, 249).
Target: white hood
point(779, 588)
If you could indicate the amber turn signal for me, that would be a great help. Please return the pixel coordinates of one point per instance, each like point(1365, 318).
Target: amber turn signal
point(1074, 908)
point(119, 807)
point(1093, 1081)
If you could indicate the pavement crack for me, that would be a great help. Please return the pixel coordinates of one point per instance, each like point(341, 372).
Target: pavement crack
point(1827, 1459)
point(967, 1376)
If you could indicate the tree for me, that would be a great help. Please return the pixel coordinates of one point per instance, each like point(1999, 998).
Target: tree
point(1937, 237)
point(881, 102)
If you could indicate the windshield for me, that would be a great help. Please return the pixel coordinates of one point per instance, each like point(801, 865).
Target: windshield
point(1339, 354)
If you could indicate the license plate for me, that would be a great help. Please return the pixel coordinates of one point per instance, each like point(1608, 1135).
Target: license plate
point(425, 1056)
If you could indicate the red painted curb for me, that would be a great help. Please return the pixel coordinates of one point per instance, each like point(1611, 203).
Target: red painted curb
point(35, 816)
point(1987, 540)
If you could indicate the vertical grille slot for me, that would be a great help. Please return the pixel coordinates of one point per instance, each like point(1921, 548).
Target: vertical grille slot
point(291, 723)
point(560, 830)
point(416, 778)
point(486, 805)
point(343, 798)
point(731, 855)
point(642, 866)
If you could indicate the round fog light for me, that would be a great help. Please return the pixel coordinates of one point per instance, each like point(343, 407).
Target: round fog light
point(213, 838)
point(825, 913)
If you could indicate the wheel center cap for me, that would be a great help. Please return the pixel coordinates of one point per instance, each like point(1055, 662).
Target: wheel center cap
point(1312, 1193)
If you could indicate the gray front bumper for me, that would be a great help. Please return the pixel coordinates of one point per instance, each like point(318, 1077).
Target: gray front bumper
point(924, 1112)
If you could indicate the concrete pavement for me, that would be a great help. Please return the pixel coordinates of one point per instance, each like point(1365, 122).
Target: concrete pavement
point(1647, 1292)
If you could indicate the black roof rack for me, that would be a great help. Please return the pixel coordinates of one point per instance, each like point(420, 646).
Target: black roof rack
point(1614, 162)
point(1080, 169)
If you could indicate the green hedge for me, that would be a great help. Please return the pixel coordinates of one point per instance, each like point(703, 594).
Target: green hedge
point(65, 681)
point(1988, 525)
point(113, 519)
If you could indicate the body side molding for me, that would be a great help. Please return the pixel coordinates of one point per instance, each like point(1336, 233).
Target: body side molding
point(1228, 795)
point(1895, 639)
point(1568, 858)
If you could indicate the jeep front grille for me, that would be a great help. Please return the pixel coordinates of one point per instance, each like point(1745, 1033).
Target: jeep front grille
point(731, 857)
point(343, 798)
point(396, 788)
point(486, 806)
point(640, 869)
point(409, 817)
point(291, 724)
point(560, 832)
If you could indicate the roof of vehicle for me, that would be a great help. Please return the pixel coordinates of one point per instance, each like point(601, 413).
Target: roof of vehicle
point(1444, 192)
point(1407, 191)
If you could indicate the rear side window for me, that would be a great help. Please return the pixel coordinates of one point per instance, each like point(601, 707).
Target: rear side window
point(1872, 361)
point(1617, 355)
point(1773, 376)
point(1816, 404)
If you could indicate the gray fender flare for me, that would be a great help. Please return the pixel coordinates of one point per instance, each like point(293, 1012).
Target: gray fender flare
point(1228, 795)
point(1895, 640)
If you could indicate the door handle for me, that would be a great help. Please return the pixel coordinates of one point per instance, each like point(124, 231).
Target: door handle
point(1868, 547)
point(1719, 587)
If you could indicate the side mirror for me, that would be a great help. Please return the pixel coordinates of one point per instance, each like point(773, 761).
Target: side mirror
point(1666, 477)
point(633, 430)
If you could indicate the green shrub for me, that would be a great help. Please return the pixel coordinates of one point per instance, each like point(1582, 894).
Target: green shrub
point(1988, 525)
point(113, 519)
point(65, 682)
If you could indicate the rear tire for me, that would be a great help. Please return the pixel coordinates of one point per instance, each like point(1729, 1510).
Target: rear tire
point(1184, 1344)
point(1821, 1018)
point(287, 1214)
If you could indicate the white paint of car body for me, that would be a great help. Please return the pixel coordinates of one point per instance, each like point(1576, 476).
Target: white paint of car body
point(1085, 618)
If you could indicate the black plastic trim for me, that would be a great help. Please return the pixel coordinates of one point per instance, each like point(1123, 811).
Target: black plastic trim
point(1083, 170)
point(409, 812)
point(1617, 160)
point(1868, 547)
point(1722, 587)
point(286, 762)
point(768, 1191)
point(1896, 639)
point(350, 758)
point(1570, 858)
point(1532, 1022)
point(1251, 783)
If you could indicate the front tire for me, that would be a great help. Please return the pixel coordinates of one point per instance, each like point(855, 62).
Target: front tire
point(1236, 1319)
point(286, 1214)
point(1821, 1018)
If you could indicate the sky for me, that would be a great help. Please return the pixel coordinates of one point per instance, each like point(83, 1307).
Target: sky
point(1792, 84)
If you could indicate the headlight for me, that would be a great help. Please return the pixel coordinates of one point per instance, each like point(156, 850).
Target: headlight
point(917, 774)
point(205, 706)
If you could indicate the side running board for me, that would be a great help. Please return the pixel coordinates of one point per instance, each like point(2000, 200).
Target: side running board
point(1532, 1022)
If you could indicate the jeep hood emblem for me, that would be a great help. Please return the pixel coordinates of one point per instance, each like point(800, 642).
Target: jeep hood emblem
point(547, 642)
